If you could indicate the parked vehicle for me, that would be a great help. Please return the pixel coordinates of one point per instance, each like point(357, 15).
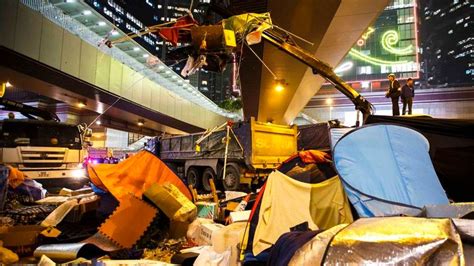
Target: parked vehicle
point(41, 146)
point(254, 150)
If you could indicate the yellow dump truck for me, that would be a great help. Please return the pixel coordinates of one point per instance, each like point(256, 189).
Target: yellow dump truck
point(253, 151)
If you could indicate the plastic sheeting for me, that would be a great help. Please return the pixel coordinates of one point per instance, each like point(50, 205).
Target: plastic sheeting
point(396, 241)
point(313, 137)
point(183, 147)
point(208, 257)
point(68, 252)
point(451, 150)
point(248, 23)
point(386, 171)
point(134, 175)
point(312, 253)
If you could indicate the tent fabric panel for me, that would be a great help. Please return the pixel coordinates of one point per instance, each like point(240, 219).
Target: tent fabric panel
point(367, 206)
point(390, 163)
point(451, 149)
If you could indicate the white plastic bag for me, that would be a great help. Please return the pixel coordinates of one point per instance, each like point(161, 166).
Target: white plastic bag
point(209, 257)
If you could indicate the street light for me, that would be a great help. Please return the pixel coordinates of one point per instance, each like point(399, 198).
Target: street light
point(280, 85)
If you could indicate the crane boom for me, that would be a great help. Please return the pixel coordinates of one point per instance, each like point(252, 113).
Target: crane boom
point(28, 111)
point(319, 67)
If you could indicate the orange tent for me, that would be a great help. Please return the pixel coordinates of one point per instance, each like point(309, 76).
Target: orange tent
point(134, 175)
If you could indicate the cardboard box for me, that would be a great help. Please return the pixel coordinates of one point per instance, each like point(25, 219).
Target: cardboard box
point(69, 192)
point(206, 232)
point(174, 204)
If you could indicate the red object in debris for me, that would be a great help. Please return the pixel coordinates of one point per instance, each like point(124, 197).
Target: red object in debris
point(314, 156)
point(171, 34)
point(243, 204)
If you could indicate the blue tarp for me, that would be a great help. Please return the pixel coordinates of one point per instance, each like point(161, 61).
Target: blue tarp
point(386, 170)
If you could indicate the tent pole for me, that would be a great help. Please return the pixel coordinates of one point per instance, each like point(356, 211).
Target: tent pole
point(226, 151)
point(358, 119)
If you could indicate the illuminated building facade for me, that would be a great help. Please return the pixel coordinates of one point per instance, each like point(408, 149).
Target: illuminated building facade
point(390, 45)
point(132, 16)
point(428, 40)
point(448, 42)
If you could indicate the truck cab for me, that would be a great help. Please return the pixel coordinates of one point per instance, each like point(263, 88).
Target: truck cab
point(36, 142)
point(42, 149)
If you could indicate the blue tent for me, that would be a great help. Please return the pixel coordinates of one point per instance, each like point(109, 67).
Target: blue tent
point(386, 170)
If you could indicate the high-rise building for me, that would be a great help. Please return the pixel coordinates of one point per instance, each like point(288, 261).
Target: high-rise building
point(133, 16)
point(428, 40)
point(447, 42)
point(390, 45)
point(216, 86)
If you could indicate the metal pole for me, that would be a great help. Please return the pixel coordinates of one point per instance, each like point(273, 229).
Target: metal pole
point(235, 69)
point(226, 150)
point(357, 119)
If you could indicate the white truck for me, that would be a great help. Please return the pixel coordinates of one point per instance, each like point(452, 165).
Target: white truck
point(40, 145)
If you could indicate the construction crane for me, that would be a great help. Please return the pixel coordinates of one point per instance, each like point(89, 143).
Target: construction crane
point(284, 42)
point(319, 68)
point(28, 111)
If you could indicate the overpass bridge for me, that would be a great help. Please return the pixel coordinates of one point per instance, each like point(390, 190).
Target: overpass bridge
point(51, 48)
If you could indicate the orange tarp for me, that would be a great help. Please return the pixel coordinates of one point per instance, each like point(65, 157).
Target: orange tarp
point(15, 177)
point(134, 175)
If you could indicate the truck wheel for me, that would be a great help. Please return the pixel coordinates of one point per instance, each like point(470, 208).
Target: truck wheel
point(207, 175)
point(193, 177)
point(232, 178)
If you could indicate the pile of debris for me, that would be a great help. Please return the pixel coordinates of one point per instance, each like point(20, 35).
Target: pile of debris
point(135, 210)
point(379, 207)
